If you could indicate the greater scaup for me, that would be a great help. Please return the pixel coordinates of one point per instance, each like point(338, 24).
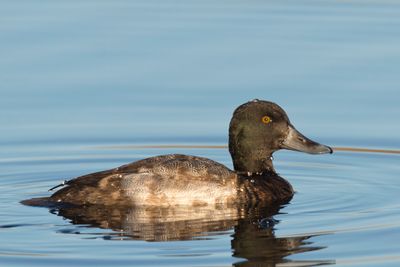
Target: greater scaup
point(257, 129)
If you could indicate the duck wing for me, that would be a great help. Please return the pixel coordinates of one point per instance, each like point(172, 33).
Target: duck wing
point(111, 186)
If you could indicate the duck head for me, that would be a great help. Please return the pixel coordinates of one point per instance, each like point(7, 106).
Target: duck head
point(259, 128)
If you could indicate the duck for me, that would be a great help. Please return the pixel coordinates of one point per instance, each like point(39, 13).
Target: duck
point(258, 128)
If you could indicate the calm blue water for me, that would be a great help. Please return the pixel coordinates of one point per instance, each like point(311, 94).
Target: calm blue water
point(83, 82)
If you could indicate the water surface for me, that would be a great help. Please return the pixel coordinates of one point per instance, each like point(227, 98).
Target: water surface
point(90, 85)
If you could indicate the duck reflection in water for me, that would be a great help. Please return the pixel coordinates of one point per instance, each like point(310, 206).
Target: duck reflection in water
point(253, 239)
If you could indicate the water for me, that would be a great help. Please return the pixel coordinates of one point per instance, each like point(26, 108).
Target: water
point(87, 84)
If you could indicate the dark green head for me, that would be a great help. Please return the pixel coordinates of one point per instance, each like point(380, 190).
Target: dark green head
point(259, 128)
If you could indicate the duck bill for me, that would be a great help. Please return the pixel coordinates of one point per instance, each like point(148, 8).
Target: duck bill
point(298, 142)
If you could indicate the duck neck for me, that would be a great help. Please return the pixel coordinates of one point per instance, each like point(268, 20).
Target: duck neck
point(255, 162)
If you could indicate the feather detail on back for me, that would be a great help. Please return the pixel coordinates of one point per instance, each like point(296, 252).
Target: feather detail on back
point(162, 180)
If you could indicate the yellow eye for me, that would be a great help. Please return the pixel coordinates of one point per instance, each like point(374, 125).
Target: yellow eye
point(266, 119)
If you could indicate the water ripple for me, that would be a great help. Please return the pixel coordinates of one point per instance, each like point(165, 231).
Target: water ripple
point(348, 196)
